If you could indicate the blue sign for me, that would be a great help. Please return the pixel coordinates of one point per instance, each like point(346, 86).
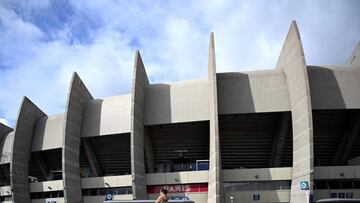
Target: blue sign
point(108, 196)
point(304, 185)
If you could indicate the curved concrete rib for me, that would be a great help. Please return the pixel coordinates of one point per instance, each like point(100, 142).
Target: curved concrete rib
point(292, 63)
point(355, 56)
point(5, 155)
point(28, 115)
point(215, 186)
point(4, 130)
point(140, 82)
point(78, 97)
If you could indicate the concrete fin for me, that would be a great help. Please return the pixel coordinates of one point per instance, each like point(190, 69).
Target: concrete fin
point(292, 63)
point(140, 83)
point(215, 181)
point(355, 56)
point(292, 44)
point(27, 118)
point(78, 97)
point(4, 130)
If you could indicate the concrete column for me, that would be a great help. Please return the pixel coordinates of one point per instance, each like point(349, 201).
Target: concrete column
point(140, 82)
point(355, 56)
point(215, 181)
point(4, 130)
point(292, 63)
point(28, 116)
point(78, 97)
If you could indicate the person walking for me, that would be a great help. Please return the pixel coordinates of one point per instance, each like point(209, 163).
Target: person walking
point(162, 197)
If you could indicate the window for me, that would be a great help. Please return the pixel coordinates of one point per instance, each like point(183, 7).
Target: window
point(320, 184)
point(257, 185)
point(346, 184)
point(43, 195)
point(334, 184)
point(202, 165)
point(103, 191)
point(357, 184)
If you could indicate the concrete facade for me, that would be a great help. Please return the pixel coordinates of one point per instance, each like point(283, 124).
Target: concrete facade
point(258, 134)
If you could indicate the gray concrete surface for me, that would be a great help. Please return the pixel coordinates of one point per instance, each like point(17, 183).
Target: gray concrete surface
point(140, 83)
point(28, 115)
point(78, 97)
point(48, 133)
point(215, 181)
point(292, 62)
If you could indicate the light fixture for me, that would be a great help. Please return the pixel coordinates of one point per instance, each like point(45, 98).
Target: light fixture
point(49, 188)
point(107, 184)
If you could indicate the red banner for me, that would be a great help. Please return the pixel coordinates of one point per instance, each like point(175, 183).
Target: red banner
point(183, 188)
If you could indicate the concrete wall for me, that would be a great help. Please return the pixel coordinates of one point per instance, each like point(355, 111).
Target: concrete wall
point(215, 186)
point(46, 185)
point(337, 172)
point(4, 130)
point(171, 103)
point(103, 182)
point(57, 200)
point(140, 83)
point(265, 196)
point(78, 97)
point(48, 133)
point(184, 177)
point(292, 63)
point(107, 116)
point(261, 174)
point(250, 92)
point(6, 148)
point(28, 115)
point(100, 199)
point(334, 87)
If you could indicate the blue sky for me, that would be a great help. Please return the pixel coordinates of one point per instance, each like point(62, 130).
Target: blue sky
point(42, 42)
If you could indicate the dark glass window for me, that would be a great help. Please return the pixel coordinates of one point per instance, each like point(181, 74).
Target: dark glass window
point(94, 192)
point(203, 165)
point(32, 195)
point(334, 184)
point(357, 184)
point(346, 184)
point(103, 191)
point(321, 185)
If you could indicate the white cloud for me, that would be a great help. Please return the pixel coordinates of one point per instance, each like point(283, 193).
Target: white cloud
point(4, 121)
point(41, 45)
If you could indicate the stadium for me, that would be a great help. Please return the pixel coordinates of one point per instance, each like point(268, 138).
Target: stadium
point(282, 135)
